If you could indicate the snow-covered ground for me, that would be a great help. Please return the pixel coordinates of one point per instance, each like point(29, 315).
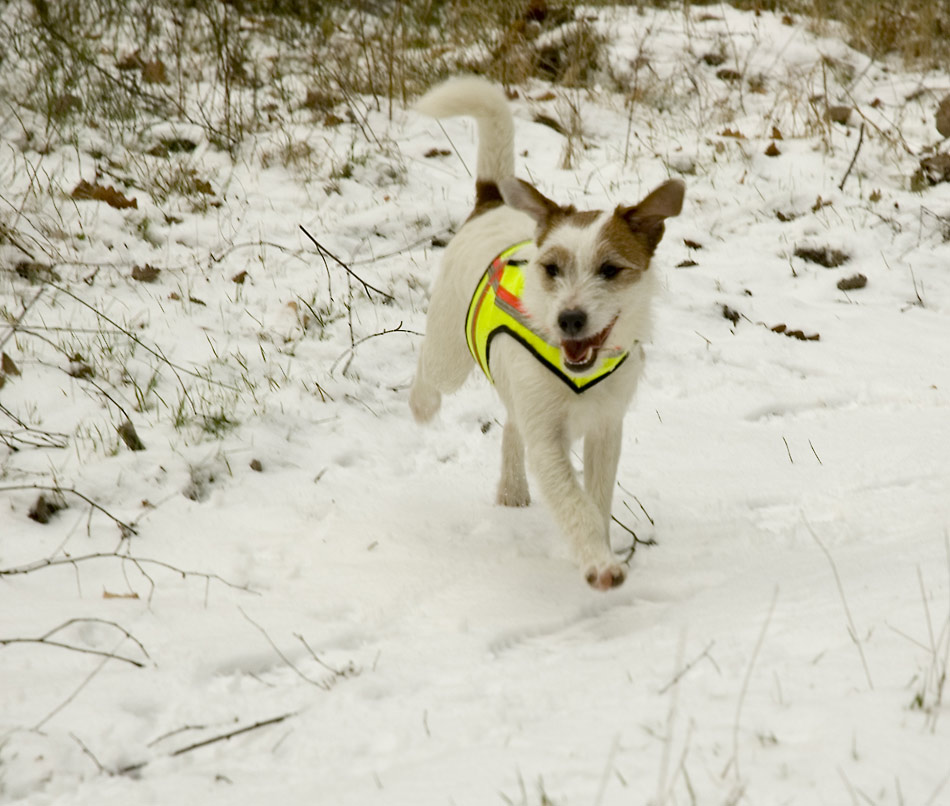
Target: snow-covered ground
point(386, 634)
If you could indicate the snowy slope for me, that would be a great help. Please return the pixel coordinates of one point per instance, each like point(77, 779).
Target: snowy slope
point(385, 632)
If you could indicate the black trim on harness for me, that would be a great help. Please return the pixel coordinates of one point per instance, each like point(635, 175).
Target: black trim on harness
point(562, 376)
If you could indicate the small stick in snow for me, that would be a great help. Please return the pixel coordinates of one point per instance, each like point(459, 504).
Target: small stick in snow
point(853, 159)
point(138, 562)
point(43, 439)
point(282, 656)
point(788, 450)
point(685, 670)
point(852, 630)
point(231, 734)
point(439, 123)
point(322, 250)
point(19, 319)
point(125, 528)
point(636, 540)
point(349, 671)
point(734, 761)
point(44, 639)
point(213, 740)
point(356, 343)
point(75, 693)
point(90, 754)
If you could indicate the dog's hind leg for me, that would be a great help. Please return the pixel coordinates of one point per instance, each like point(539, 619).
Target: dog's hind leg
point(513, 487)
point(444, 363)
point(424, 398)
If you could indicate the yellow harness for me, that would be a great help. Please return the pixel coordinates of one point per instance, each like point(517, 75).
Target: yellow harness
point(496, 308)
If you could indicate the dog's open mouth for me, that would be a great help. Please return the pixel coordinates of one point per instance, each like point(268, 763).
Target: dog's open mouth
point(581, 354)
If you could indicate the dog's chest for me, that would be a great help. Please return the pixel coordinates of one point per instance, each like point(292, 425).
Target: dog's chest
point(496, 310)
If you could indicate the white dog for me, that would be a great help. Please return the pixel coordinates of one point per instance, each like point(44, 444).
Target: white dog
point(553, 304)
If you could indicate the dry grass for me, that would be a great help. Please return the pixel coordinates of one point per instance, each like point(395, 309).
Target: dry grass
point(123, 64)
point(916, 31)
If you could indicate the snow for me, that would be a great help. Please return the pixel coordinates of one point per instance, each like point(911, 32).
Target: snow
point(784, 640)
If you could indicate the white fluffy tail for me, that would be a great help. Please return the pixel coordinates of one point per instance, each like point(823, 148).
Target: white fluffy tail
point(484, 101)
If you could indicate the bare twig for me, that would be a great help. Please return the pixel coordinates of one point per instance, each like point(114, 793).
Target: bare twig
point(853, 159)
point(745, 685)
point(75, 693)
point(937, 790)
point(322, 250)
point(169, 734)
point(137, 561)
point(282, 656)
point(90, 754)
point(685, 670)
point(636, 540)
point(349, 671)
point(352, 349)
point(205, 742)
point(19, 319)
point(156, 352)
point(44, 639)
point(125, 527)
point(605, 776)
point(451, 143)
point(231, 734)
point(45, 439)
point(664, 766)
point(852, 630)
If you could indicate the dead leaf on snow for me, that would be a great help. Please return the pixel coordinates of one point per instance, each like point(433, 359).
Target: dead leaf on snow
point(96, 192)
point(146, 273)
point(8, 366)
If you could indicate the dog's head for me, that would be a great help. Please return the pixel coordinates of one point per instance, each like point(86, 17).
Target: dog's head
point(589, 286)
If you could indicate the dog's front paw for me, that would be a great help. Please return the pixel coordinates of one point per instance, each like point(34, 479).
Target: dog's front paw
point(605, 576)
point(513, 495)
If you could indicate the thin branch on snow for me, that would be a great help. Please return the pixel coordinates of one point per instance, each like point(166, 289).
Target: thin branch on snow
point(86, 751)
point(157, 351)
point(734, 761)
point(349, 671)
point(853, 159)
point(685, 670)
point(231, 734)
point(169, 734)
point(75, 693)
point(352, 349)
point(852, 630)
point(138, 562)
point(127, 529)
point(322, 250)
point(45, 640)
point(16, 322)
point(213, 740)
point(318, 683)
point(636, 540)
point(43, 439)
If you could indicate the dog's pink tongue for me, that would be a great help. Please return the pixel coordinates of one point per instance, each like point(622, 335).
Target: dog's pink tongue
point(577, 352)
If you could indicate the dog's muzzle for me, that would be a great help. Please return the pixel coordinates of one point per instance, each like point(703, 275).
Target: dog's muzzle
point(580, 355)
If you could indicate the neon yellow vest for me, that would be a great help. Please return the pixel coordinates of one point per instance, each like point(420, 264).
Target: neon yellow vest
point(496, 308)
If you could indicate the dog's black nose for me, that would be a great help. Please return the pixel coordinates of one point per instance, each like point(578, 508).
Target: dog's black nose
point(572, 322)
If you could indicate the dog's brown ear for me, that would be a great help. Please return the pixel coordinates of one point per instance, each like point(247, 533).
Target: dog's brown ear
point(647, 217)
point(525, 197)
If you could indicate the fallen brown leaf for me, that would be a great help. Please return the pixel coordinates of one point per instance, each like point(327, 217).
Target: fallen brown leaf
point(96, 192)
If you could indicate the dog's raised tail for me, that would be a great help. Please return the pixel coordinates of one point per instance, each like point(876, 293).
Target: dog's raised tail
point(486, 102)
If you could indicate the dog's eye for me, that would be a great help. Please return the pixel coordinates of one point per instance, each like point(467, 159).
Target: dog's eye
point(552, 269)
point(608, 271)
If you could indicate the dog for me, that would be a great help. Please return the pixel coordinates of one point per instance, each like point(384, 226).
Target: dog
point(553, 303)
